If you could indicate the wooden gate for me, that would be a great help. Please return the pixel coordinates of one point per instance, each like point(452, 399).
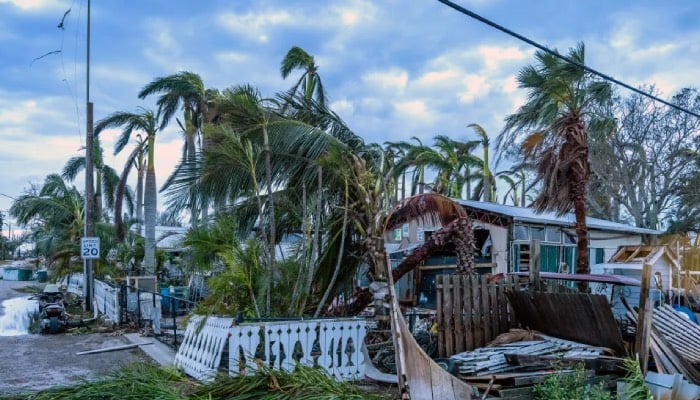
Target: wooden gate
point(471, 311)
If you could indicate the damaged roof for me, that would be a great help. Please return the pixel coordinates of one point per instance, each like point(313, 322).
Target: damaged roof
point(529, 215)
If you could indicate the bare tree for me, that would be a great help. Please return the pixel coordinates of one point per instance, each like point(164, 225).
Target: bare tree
point(639, 158)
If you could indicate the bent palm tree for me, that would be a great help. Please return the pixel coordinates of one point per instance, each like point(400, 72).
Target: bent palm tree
point(147, 122)
point(310, 82)
point(551, 130)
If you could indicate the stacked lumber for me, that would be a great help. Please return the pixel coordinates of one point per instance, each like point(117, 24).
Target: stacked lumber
point(492, 359)
point(509, 370)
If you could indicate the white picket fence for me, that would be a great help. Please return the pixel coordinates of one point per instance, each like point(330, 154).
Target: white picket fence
point(332, 344)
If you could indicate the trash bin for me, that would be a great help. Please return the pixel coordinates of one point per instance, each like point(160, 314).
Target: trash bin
point(165, 300)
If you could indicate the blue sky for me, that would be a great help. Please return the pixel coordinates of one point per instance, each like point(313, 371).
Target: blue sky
point(392, 69)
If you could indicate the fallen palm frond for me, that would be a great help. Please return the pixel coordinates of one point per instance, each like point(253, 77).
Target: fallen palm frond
point(146, 381)
point(133, 381)
point(300, 384)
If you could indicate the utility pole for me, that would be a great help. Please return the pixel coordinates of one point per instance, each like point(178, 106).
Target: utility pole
point(89, 189)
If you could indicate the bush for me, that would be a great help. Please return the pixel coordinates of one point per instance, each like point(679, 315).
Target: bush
point(570, 385)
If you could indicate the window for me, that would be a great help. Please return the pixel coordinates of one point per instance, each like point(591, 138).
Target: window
point(406, 229)
point(397, 235)
point(599, 256)
point(569, 237)
point(420, 235)
point(520, 232)
point(537, 233)
point(553, 234)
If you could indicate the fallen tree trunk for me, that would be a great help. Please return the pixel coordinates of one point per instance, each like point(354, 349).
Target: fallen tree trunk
point(459, 231)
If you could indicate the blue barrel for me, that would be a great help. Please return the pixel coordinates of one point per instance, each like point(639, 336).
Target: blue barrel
point(165, 301)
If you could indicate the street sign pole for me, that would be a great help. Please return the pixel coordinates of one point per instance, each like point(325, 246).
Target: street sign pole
point(89, 185)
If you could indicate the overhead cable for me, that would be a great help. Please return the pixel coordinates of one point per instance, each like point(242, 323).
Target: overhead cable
point(567, 59)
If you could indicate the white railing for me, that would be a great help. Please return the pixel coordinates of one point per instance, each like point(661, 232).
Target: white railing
point(199, 354)
point(334, 345)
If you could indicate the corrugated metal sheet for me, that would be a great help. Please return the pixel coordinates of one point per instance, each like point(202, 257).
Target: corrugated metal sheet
point(584, 318)
point(524, 214)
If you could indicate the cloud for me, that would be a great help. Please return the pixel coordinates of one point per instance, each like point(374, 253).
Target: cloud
point(255, 25)
point(343, 107)
point(391, 80)
point(46, 6)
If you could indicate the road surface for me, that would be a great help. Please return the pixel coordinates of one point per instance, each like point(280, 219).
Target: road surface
point(35, 362)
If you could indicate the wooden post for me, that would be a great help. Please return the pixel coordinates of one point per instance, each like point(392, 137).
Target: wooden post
point(535, 264)
point(644, 317)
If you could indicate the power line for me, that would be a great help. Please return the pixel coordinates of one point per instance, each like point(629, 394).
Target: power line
point(556, 54)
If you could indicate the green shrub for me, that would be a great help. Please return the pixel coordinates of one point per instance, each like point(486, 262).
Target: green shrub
point(570, 385)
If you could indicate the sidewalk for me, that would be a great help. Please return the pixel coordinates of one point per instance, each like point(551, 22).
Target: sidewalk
point(160, 352)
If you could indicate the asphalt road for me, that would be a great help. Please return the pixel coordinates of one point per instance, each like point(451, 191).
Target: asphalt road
point(35, 362)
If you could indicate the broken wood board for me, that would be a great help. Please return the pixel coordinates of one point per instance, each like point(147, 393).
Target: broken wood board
point(419, 376)
point(581, 317)
point(113, 348)
point(599, 364)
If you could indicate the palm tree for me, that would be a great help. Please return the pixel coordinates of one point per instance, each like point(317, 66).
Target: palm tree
point(137, 159)
point(309, 82)
point(55, 214)
point(488, 185)
point(144, 121)
point(182, 90)
point(551, 130)
point(106, 177)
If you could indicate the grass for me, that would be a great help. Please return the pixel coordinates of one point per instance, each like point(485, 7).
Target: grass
point(146, 381)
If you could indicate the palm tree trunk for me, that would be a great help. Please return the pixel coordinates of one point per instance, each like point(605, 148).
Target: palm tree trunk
point(150, 200)
point(271, 212)
point(139, 196)
point(336, 272)
point(305, 258)
point(316, 244)
point(191, 154)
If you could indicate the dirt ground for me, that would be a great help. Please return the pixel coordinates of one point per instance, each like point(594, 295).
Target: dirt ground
point(35, 362)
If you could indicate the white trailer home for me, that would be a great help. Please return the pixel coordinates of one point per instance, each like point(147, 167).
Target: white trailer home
point(503, 235)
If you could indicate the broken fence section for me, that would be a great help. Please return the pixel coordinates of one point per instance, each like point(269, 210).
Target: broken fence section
point(471, 311)
point(332, 344)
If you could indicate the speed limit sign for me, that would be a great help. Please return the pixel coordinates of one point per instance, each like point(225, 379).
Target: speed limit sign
point(90, 248)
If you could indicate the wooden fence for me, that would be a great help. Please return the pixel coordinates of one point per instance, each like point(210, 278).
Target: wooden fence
point(471, 311)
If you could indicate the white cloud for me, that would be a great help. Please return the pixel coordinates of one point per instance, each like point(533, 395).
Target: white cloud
point(232, 57)
point(37, 5)
point(343, 107)
point(415, 110)
point(393, 79)
point(255, 24)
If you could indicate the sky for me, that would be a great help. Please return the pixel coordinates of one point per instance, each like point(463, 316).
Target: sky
point(392, 69)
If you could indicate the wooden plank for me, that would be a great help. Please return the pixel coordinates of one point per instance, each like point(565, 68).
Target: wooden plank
point(641, 340)
point(449, 315)
point(478, 327)
point(485, 309)
point(417, 382)
point(492, 288)
point(600, 364)
point(439, 287)
point(465, 281)
point(113, 348)
point(458, 314)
